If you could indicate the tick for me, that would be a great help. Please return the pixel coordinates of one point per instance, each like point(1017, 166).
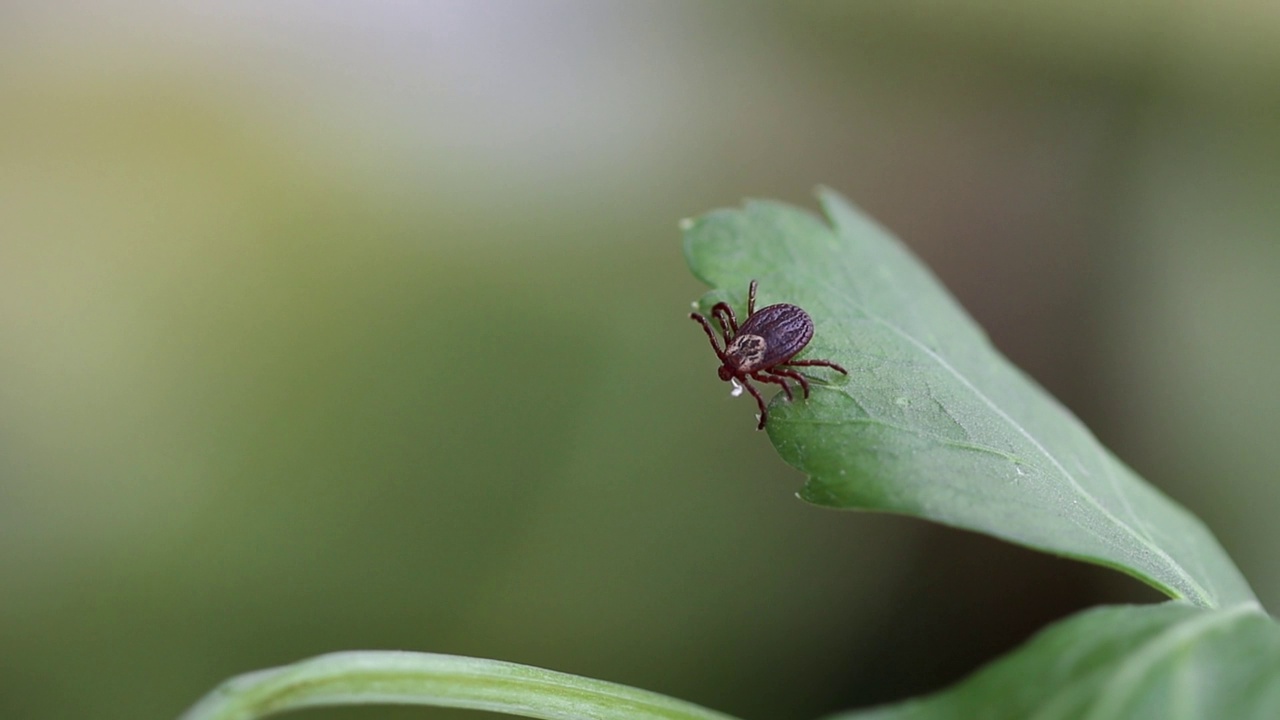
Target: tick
point(763, 347)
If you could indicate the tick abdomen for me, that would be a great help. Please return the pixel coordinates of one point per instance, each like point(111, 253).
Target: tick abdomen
point(785, 330)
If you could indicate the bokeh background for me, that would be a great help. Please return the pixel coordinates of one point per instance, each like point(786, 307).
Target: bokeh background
point(335, 325)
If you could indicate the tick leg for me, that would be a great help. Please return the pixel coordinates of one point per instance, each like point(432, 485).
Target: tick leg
point(764, 414)
point(791, 374)
point(751, 300)
point(759, 375)
point(724, 315)
point(818, 363)
point(711, 334)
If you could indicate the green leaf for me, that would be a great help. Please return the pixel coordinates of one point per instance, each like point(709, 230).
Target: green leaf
point(1123, 663)
point(932, 421)
point(407, 678)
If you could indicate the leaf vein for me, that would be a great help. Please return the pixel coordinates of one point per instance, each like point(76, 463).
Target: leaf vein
point(1202, 594)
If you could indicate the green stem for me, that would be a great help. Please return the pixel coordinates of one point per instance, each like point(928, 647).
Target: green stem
point(379, 677)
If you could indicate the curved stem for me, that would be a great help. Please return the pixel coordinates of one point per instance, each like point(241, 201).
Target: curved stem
point(408, 678)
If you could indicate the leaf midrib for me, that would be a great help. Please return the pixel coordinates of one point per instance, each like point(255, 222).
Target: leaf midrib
point(1202, 595)
point(1141, 660)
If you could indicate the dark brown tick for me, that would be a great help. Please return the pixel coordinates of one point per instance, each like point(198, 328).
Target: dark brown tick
point(763, 347)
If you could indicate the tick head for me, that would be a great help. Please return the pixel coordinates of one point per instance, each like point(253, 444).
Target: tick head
point(725, 373)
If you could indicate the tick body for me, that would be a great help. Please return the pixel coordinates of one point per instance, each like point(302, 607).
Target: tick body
point(763, 347)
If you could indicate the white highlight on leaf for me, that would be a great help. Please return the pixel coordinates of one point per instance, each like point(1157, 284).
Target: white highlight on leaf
point(686, 223)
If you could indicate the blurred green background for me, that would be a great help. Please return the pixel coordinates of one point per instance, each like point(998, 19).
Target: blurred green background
point(330, 326)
